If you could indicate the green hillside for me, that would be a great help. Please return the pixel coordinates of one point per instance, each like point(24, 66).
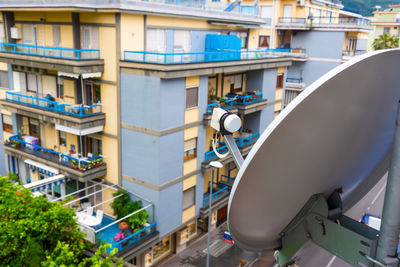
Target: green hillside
point(366, 7)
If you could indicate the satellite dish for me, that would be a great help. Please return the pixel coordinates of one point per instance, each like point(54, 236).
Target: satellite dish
point(336, 134)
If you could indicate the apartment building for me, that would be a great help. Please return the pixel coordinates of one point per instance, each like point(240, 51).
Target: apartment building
point(324, 30)
point(384, 21)
point(119, 94)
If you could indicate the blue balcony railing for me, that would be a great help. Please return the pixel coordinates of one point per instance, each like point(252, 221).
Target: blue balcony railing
point(245, 141)
point(136, 237)
point(51, 52)
point(325, 20)
point(228, 104)
point(211, 154)
point(215, 196)
point(80, 163)
point(185, 3)
point(42, 103)
point(241, 142)
point(201, 57)
point(246, 99)
point(294, 80)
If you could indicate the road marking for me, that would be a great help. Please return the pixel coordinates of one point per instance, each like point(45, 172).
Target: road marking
point(376, 197)
point(218, 247)
point(331, 261)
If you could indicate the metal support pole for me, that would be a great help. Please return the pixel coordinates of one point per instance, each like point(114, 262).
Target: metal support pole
point(390, 227)
point(209, 218)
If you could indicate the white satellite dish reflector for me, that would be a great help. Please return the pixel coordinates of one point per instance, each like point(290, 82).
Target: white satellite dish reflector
point(337, 133)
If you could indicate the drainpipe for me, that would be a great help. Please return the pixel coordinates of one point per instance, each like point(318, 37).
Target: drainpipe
point(273, 24)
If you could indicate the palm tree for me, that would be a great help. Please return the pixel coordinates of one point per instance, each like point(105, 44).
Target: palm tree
point(386, 41)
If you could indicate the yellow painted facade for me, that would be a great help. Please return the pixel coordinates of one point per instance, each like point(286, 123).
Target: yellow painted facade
point(188, 213)
point(107, 42)
point(53, 16)
point(110, 150)
point(132, 32)
point(109, 100)
point(192, 81)
point(191, 115)
point(107, 194)
point(3, 66)
point(66, 36)
point(189, 182)
point(69, 92)
point(87, 17)
point(190, 133)
point(189, 166)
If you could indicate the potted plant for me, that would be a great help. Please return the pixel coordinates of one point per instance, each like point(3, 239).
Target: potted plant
point(16, 144)
point(74, 164)
point(123, 206)
point(222, 100)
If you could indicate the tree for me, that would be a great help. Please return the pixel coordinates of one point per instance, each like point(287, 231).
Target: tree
point(35, 231)
point(386, 41)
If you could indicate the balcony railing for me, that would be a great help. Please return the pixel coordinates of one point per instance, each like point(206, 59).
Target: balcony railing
point(108, 228)
point(50, 52)
point(79, 163)
point(294, 80)
point(246, 99)
point(241, 142)
point(351, 53)
point(215, 196)
point(43, 103)
point(202, 57)
point(228, 104)
point(245, 141)
point(292, 20)
point(226, 180)
point(325, 20)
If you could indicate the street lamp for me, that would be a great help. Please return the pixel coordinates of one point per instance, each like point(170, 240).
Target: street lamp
point(218, 165)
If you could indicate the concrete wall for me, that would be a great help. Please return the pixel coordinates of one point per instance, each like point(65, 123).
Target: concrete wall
point(310, 70)
point(320, 44)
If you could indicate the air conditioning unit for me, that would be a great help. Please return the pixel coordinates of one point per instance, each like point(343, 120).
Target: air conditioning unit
point(301, 2)
point(15, 33)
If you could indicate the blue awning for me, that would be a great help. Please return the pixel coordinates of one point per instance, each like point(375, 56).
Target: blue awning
point(41, 168)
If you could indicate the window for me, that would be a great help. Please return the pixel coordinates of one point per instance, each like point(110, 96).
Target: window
point(190, 149)
point(34, 128)
point(279, 81)
point(56, 36)
point(32, 82)
point(386, 30)
point(243, 39)
point(92, 93)
point(2, 37)
point(181, 41)
point(155, 40)
point(62, 137)
point(263, 41)
point(192, 228)
point(192, 97)
point(266, 14)
point(236, 83)
point(60, 87)
point(89, 37)
point(188, 198)
point(94, 145)
point(161, 248)
point(4, 82)
point(7, 123)
point(29, 34)
point(317, 18)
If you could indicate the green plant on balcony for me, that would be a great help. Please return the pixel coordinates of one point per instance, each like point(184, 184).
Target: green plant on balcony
point(123, 206)
point(16, 144)
point(74, 164)
point(222, 100)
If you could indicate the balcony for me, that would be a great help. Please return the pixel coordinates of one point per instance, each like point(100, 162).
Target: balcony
point(244, 143)
point(245, 104)
point(79, 117)
point(348, 54)
point(219, 199)
point(204, 57)
point(226, 180)
point(298, 23)
point(220, 193)
point(52, 58)
point(295, 84)
point(127, 230)
point(74, 166)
